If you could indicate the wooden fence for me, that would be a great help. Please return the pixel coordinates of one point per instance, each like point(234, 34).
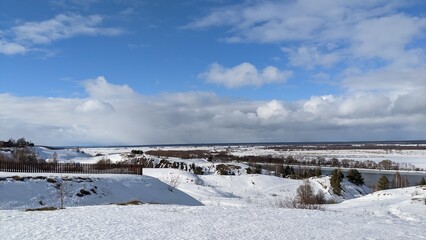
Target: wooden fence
point(44, 167)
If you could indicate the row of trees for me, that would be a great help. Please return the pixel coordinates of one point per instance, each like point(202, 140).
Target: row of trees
point(360, 146)
point(225, 156)
point(21, 142)
point(398, 181)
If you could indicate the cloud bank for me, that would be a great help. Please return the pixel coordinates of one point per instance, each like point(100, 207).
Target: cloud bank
point(115, 114)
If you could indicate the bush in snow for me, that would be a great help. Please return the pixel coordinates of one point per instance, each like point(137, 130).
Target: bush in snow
point(135, 152)
point(222, 169)
point(173, 181)
point(196, 169)
point(305, 198)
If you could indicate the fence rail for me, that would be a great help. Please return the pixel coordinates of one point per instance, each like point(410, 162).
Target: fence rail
point(43, 167)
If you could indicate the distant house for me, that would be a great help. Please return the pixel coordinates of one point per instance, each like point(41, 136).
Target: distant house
point(2, 143)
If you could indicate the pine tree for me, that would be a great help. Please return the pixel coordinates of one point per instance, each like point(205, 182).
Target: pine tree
point(318, 172)
point(383, 183)
point(354, 176)
point(335, 180)
point(422, 182)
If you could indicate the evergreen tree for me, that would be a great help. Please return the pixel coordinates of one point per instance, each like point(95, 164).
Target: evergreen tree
point(258, 169)
point(422, 182)
point(383, 183)
point(335, 180)
point(318, 172)
point(354, 176)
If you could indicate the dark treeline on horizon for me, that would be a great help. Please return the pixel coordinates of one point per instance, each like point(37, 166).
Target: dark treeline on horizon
point(326, 145)
point(21, 142)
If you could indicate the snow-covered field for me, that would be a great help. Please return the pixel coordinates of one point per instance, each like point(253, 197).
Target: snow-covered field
point(208, 222)
point(92, 155)
point(181, 205)
point(202, 207)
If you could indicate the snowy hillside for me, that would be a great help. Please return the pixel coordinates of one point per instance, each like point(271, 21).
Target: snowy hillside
point(235, 207)
point(178, 204)
point(40, 190)
point(169, 186)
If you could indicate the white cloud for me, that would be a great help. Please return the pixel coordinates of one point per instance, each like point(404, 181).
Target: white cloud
point(386, 37)
point(388, 78)
point(360, 29)
point(365, 105)
point(244, 74)
point(8, 48)
point(272, 21)
point(24, 37)
point(94, 105)
point(200, 117)
point(319, 104)
point(62, 27)
point(310, 57)
point(99, 88)
point(272, 109)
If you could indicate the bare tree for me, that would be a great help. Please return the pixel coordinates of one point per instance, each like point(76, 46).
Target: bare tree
point(173, 181)
point(55, 157)
point(61, 192)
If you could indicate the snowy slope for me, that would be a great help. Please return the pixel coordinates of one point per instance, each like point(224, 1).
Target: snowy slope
point(157, 186)
point(404, 204)
point(38, 190)
point(250, 189)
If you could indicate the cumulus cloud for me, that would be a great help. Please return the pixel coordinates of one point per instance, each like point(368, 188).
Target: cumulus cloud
point(272, 109)
point(201, 117)
point(21, 38)
point(244, 74)
point(99, 88)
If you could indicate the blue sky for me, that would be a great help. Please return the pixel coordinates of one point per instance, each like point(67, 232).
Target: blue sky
point(146, 72)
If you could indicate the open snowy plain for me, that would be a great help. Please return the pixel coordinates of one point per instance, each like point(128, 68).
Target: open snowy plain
point(177, 204)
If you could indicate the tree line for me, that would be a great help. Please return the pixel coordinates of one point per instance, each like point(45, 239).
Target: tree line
point(11, 143)
point(224, 156)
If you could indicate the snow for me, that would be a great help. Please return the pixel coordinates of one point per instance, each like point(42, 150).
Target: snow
point(36, 192)
point(88, 155)
point(203, 207)
point(181, 205)
point(208, 222)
